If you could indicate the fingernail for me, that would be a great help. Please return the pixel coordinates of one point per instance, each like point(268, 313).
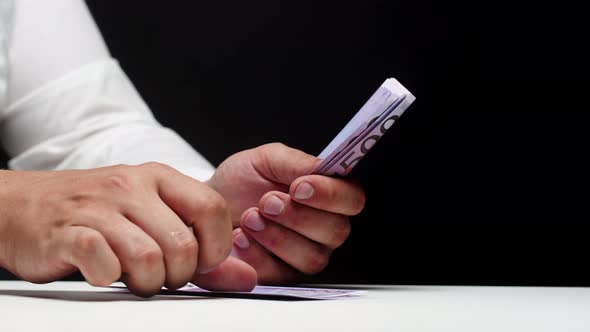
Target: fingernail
point(254, 221)
point(304, 191)
point(241, 240)
point(273, 205)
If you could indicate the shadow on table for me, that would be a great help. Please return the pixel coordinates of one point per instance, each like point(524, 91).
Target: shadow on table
point(165, 295)
point(90, 296)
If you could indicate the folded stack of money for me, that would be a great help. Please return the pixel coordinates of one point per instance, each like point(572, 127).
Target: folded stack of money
point(368, 125)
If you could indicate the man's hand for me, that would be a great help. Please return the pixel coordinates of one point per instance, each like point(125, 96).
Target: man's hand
point(128, 222)
point(287, 221)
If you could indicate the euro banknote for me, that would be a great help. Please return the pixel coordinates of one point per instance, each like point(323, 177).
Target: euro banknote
point(367, 126)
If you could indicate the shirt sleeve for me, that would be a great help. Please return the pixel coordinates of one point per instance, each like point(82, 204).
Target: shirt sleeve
point(70, 105)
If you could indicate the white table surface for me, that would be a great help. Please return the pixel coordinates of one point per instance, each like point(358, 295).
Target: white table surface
point(76, 306)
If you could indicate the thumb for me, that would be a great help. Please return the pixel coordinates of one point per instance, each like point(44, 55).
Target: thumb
point(231, 275)
point(283, 164)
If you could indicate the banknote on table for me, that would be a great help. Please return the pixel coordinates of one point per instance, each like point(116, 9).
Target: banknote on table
point(369, 124)
point(265, 292)
point(271, 292)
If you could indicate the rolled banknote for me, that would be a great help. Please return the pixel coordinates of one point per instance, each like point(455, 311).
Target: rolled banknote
point(368, 125)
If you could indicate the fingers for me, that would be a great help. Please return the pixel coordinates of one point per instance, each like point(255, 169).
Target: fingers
point(328, 194)
point(200, 207)
point(175, 239)
point(299, 252)
point(231, 275)
point(148, 230)
point(270, 270)
point(329, 229)
point(87, 250)
point(141, 258)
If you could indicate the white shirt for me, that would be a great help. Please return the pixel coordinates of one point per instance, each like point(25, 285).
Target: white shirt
point(65, 103)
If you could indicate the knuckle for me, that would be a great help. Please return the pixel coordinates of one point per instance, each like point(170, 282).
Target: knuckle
point(82, 202)
point(341, 233)
point(117, 182)
point(157, 167)
point(185, 247)
point(86, 242)
point(214, 205)
point(330, 194)
point(277, 240)
point(134, 203)
point(316, 263)
point(274, 146)
point(297, 221)
point(147, 257)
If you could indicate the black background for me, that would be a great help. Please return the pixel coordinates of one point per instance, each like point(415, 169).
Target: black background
point(484, 180)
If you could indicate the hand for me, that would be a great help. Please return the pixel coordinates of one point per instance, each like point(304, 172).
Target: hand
point(287, 221)
point(128, 222)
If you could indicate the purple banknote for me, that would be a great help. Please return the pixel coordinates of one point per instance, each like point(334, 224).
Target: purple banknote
point(368, 125)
